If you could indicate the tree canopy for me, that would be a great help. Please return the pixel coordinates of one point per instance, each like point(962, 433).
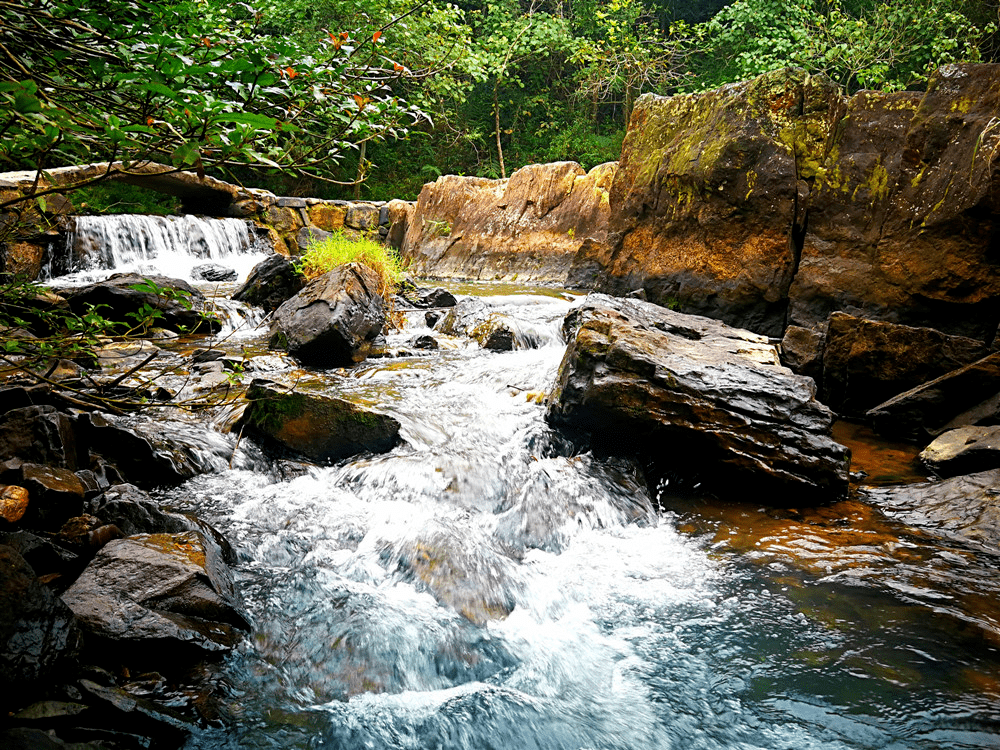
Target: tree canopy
point(313, 95)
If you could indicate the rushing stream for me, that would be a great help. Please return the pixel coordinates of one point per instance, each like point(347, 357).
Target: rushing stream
point(484, 586)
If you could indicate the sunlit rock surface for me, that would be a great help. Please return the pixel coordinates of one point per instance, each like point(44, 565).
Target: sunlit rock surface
point(697, 399)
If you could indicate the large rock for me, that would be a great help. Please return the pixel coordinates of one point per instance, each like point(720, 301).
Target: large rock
point(866, 362)
point(964, 450)
point(966, 396)
point(964, 507)
point(181, 307)
point(39, 434)
point(321, 428)
point(697, 399)
point(271, 282)
point(334, 320)
point(165, 590)
point(529, 227)
point(39, 637)
point(706, 205)
point(903, 212)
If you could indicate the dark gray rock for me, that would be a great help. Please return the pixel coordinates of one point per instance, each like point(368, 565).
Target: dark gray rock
point(271, 282)
point(39, 637)
point(310, 234)
point(39, 434)
point(964, 450)
point(320, 428)
point(965, 507)
point(214, 272)
point(866, 362)
point(334, 320)
point(802, 351)
point(182, 308)
point(698, 400)
point(966, 396)
point(55, 495)
point(424, 342)
point(479, 321)
point(170, 589)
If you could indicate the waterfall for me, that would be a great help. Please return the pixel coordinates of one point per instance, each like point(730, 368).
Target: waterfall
point(162, 245)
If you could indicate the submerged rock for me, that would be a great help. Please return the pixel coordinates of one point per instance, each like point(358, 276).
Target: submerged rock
point(322, 428)
point(696, 399)
point(479, 321)
point(334, 320)
point(168, 589)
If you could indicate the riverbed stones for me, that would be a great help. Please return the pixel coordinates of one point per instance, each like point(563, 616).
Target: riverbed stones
point(271, 282)
point(170, 590)
point(334, 320)
point(39, 434)
point(866, 362)
point(321, 428)
point(698, 400)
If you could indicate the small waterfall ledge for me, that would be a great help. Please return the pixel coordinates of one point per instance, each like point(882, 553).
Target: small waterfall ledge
point(171, 246)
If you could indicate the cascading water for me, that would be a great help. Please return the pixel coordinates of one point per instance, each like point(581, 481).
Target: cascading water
point(157, 245)
point(481, 586)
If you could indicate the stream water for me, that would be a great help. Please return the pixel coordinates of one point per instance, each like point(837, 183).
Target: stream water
point(485, 586)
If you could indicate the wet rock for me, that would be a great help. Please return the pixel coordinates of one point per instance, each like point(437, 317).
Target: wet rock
point(130, 714)
point(964, 450)
point(424, 342)
point(708, 197)
point(39, 637)
point(181, 308)
point(968, 395)
point(173, 590)
point(271, 282)
point(433, 317)
point(44, 557)
point(321, 428)
point(39, 434)
point(964, 507)
point(13, 503)
point(334, 320)
point(802, 351)
point(698, 400)
point(54, 495)
point(479, 321)
point(87, 534)
point(529, 227)
point(426, 298)
point(866, 362)
point(214, 272)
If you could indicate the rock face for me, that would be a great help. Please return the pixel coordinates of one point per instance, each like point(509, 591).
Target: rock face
point(866, 362)
point(697, 399)
point(38, 633)
point(529, 227)
point(334, 320)
point(707, 203)
point(170, 589)
point(966, 396)
point(270, 283)
point(321, 428)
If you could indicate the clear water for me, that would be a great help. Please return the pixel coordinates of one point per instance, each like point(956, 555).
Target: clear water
point(483, 587)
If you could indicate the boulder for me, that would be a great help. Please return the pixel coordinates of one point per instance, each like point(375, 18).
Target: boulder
point(39, 434)
point(902, 212)
point(214, 272)
point(54, 495)
point(964, 450)
point(326, 216)
point(529, 227)
point(698, 400)
point(334, 320)
point(181, 308)
point(271, 282)
point(168, 591)
point(321, 428)
point(398, 214)
point(866, 362)
point(478, 320)
point(39, 637)
point(802, 351)
point(965, 507)
point(362, 216)
point(707, 201)
point(968, 395)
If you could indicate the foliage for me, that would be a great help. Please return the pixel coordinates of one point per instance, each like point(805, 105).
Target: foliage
point(105, 198)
